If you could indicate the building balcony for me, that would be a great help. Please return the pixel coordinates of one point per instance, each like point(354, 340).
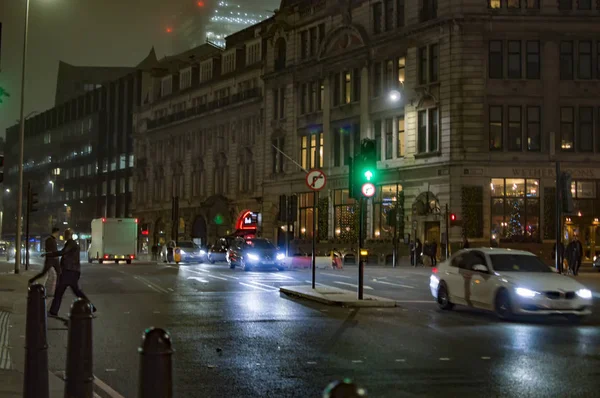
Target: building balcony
point(205, 108)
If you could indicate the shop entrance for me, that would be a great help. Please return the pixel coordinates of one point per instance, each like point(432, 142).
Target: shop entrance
point(432, 234)
point(588, 233)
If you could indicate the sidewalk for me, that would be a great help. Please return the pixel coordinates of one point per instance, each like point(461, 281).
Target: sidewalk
point(13, 305)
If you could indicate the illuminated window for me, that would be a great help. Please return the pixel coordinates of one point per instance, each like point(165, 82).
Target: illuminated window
point(347, 87)
point(345, 215)
point(567, 128)
point(401, 144)
point(385, 205)
point(515, 209)
point(401, 69)
point(305, 215)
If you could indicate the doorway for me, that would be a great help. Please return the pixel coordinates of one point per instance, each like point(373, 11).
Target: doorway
point(432, 234)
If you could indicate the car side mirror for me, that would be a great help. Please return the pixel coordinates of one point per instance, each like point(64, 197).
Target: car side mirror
point(480, 268)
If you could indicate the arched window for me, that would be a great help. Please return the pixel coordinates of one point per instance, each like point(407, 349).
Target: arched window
point(280, 53)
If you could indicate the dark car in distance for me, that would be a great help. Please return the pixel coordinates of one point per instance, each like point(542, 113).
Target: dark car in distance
point(255, 253)
point(218, 251)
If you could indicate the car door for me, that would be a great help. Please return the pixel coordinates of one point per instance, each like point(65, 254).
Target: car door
point(481, 284)
point(453, 278)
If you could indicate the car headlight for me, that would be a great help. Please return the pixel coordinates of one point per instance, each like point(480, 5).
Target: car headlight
point(202, 252)
point(181, 252)
point(253, 257)
point(527, 293)
point(595, 257)
point(280, 256)
point(584, 293)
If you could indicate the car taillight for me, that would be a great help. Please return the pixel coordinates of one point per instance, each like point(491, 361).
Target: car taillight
point(106, 256)
point(434, 270)
point(132, 257)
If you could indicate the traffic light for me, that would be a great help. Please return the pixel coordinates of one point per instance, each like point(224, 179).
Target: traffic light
point(567, 195)
point(32, 201)
point(453, 220)
point(368, 164)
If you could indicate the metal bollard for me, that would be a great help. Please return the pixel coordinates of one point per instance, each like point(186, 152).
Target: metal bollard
point(156, 371)
point(36, 345)
point(79, 371)
point(344, 389)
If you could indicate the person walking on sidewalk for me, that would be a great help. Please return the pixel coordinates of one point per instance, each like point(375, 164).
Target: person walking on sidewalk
point(71, 272)
point(51, 269)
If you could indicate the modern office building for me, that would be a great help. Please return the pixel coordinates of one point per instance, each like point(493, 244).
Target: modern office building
point(78, 154)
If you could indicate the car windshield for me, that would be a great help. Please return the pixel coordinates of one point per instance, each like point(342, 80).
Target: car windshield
point(518, 263)
point(260, 244)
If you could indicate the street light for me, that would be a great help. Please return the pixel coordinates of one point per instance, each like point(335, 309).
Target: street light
point(394, 96)
point(21, 143)
point(7, 190)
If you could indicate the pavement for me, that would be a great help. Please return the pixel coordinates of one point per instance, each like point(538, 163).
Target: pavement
point(235, 334)
point(13, 305)
point(336, 296)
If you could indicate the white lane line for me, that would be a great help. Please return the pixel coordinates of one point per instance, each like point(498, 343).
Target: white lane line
point(151, 285)
point(256, 287)
point(205, 275)
point(357, 361)
point(393, 284)
point(106, 388)
point(316, 283)
point(311, 363)
point(340, 276)
point(262, 284)
point(350, 284)
point(195, 278)
point(486, 358)
point(169, 289)
point(400, 360)
point(444, 359)
point(110, 370)
point(229, 276)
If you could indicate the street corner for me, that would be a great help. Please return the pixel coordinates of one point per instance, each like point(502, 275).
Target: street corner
point(336, 297)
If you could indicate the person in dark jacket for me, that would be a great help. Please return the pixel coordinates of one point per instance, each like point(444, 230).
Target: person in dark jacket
point(578, 256)
point(418, 251)
point(51, 264)
point(434, 248)
point(71, 272)
point(465, 244)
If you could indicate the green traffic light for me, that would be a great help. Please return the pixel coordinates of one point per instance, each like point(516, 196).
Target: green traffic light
point(368, 175)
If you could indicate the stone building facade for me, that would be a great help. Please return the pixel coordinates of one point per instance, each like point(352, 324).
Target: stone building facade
point(199, 137)
point(471, 104)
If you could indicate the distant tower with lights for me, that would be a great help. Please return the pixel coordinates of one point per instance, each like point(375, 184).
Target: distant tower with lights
point(211, 21)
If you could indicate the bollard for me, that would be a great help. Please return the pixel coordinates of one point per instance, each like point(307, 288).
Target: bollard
point(36, 345)
point(79, 377)
point(156, 374)
point(344, 389)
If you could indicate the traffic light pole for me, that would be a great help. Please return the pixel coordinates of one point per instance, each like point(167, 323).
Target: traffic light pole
point(447, 240)
point(361, 263)
point(557, 251)
point(27, 226)
point(314, 239)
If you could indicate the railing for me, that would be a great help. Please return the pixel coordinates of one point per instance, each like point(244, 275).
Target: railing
point(202, 108)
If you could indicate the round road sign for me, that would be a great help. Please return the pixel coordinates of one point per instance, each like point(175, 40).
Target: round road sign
point(315, 180)
point(368, 190)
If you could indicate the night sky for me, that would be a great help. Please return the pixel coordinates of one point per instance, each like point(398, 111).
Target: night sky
point(79, 32)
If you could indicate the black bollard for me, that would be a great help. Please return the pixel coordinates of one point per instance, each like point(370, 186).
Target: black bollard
point(36, 345)
point(79, 375)
point(344, 389)
point(156, 374)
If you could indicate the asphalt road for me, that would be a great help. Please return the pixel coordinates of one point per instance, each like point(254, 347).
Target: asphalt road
point(236, 336)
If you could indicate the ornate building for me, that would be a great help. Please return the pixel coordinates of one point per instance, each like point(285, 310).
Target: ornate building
point(471, 104)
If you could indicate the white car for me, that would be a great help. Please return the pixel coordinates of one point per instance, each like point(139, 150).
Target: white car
point(508, 282)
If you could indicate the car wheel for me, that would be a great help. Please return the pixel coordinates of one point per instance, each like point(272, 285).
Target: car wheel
point(502, 305)
point(210, 260)
point(245, 266)
point(128, 261)
point(100, 261)
point(443, 298)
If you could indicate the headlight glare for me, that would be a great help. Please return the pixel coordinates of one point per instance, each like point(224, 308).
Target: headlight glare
point(253, 257)
point(202, 252)
point(584, 293)
point(527, 293)
point(280, 256)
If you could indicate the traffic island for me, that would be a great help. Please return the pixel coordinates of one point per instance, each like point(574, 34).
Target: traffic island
point(337, 297)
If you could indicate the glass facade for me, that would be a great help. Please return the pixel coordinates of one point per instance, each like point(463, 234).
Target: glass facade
point(515, 209)
point(384, 202)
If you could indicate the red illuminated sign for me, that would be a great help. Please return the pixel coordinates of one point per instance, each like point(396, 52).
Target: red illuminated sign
point(248, 220)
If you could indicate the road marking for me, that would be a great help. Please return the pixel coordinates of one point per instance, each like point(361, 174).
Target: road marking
point(340, 276)
point(111, 370)
point(486, 358)
point(169, 289)
point(400, 360)
point(229, 276)
point(151, 285)
point(257, 287)
point(195, 278)
point(104, 387)
point(350, 284)
point(316, 283)
point(262, 284)
point(444, 359)
point(311, 363)
point(393, 284)
point(127, 312)
point(357, 361)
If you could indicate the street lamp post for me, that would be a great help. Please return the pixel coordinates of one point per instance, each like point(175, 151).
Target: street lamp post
point(21, 143)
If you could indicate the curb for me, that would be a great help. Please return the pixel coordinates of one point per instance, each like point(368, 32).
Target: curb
point(367, 302)
point(5, 361)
